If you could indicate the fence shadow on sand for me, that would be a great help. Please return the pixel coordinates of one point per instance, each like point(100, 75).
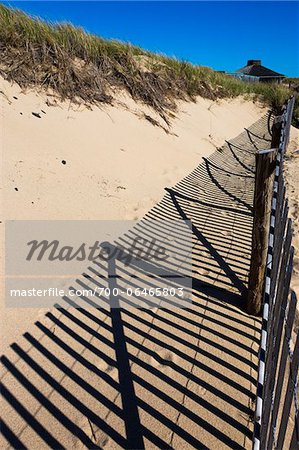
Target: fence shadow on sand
point(152, 377)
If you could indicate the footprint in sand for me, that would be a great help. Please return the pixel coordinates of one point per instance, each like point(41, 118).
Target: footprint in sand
point(163, 358)
point(200, 189)
point(100, 439)
point(225, 232)
point(171, 239)
point(202, 254)
point(203, 271)
point(294, 209)
point(85, 426)
point(201, 391)
point(36, 115)
point(108, 369)
point(187, 297)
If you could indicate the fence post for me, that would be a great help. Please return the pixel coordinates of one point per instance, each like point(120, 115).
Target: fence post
point(262, 204)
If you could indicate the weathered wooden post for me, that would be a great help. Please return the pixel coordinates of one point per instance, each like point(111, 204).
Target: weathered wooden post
point(263, 192)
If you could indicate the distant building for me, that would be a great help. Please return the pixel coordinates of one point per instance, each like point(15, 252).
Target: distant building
point(262, 74)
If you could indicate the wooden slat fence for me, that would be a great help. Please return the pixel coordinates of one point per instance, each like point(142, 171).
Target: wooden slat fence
point(276, 416)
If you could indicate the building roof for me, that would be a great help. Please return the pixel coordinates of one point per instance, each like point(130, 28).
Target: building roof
point(257, 70)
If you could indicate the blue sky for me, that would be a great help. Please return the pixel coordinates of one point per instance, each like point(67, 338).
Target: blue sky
point(219, 34)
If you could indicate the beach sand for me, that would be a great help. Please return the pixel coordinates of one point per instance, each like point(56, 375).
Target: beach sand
point(137, 378)
point(193, 370)
point(63, 161)
point(292, 192)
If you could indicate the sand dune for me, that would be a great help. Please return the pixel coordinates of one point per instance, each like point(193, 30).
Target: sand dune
point(65, 161)
point(117, 163)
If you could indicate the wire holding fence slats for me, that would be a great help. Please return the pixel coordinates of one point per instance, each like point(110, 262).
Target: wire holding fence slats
point(277, 321)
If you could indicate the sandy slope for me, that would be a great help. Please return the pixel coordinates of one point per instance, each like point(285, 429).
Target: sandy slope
point(117, 163)
point(292, 184)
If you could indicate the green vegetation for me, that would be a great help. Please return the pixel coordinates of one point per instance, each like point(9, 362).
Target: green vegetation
point(85, 67)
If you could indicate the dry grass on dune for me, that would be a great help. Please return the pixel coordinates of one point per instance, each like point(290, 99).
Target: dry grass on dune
point(85, 67)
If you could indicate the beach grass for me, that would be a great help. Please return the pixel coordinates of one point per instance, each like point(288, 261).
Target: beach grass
point(84, 67)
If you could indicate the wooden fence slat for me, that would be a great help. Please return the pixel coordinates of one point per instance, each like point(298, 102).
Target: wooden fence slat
point(269, 124)
point(295, 438)
point(275, 336)
point(277, 246)
point(280, 284)
point(289, 395)
point(278, 298)
point(278, 242)
point(289, 113)
point(282, 368)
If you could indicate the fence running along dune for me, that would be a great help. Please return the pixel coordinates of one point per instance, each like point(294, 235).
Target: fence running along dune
point(276, 416)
